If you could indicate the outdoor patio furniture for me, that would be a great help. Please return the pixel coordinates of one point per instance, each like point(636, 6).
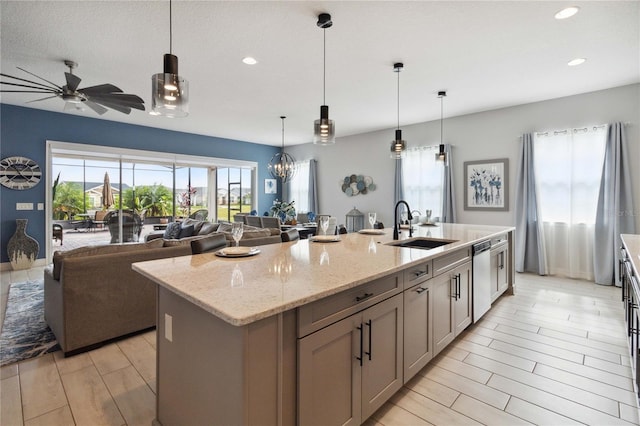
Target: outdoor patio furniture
point(199, 214)
point(57, 232)
point(98, 219)
point(131, 226)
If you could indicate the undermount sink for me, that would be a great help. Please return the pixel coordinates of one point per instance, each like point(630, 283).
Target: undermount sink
point(422, 243)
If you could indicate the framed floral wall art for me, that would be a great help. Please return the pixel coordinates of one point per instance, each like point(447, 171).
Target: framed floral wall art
point(486, 185)
point(270, 186)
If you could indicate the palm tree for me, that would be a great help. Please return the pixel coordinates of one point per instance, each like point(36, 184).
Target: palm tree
point(155, 199)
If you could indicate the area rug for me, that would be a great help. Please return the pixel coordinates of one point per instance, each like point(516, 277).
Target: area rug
point(25, 334)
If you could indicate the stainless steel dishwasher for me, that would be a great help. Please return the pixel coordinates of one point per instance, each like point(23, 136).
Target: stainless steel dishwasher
point(481, 279)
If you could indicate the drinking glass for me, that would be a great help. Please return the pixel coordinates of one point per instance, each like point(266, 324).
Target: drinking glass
point(236, 232)
point(428, 212)
point(372, 218)
point(324, 224)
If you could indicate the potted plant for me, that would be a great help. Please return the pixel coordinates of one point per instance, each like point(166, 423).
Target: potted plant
point(285, 211)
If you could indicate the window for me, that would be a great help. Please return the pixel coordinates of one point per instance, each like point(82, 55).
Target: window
point(299, 188)
point(423, 180)
point(568, 168)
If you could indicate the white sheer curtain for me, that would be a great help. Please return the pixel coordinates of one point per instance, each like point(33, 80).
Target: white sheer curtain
point(422, 178)
point(568, 167)
point(299, 188)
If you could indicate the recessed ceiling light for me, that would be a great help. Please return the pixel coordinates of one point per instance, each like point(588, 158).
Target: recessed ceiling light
point(567, 12)
point(249, 60)
point(577, 61)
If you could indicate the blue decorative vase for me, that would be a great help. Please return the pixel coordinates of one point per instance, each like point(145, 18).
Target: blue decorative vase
point(22, 249)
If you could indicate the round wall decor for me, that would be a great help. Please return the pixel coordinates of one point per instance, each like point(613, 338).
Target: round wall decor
point(19, 173)
point(357, 184)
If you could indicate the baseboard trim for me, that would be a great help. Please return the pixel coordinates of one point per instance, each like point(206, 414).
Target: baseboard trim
point(6, 266)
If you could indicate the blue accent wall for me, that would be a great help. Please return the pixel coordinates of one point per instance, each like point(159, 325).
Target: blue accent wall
point(24, 132)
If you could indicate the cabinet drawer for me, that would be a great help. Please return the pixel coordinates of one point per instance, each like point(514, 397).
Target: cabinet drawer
point(417, 274)
point(449, 261)
point(319, 314)
point(500, 239)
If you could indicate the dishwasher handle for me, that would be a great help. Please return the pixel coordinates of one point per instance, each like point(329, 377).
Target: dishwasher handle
point(481, 247)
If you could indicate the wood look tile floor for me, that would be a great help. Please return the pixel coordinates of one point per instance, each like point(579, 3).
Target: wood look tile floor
point(553, 354)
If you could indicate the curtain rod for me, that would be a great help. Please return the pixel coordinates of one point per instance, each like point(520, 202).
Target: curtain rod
point(574, 130)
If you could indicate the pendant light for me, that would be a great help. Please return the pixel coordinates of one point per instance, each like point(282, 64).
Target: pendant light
point(324, 130)
point(170, 92)
point(398, 146)
point(441, 155)
point(282, 165)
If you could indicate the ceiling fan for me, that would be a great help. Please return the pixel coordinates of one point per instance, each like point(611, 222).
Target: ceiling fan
point(98, 98)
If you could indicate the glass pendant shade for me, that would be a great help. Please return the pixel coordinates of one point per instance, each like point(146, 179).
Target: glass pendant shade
point(398, 146)
point(170, 91)
point(324, 130)
point(441, 155)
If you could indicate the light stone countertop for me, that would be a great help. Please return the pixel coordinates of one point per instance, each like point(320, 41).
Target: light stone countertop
point(632, 243)
point(287, 275)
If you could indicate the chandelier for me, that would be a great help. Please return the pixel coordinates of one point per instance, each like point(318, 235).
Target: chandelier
point(282, 165)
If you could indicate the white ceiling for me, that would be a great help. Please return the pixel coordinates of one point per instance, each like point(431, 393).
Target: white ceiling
point(486, 54)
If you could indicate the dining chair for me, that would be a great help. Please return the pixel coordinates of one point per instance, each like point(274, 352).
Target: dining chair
point(290, 235)
point(270, 222)
point(253, 221)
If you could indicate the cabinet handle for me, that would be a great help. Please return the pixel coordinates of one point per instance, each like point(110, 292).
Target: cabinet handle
point(454, 292)
point(361, 343)
point(361, 298)
point(370, 344)
point(458, 286)
point(419, 274)
point(420, 290)
point(501, 260)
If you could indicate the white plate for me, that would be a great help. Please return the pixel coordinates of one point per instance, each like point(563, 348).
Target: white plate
point(325, 238)
point(237, 251)
point(371, 231)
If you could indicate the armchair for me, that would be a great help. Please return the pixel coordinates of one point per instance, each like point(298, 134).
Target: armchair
point(131, 226)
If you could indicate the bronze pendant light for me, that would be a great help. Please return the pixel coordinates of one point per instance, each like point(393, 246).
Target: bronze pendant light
point(398, 146)
point(170, 92)
point(441, 155)
point(324, 129)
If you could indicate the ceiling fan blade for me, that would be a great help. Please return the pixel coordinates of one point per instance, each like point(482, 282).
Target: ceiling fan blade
point(44, 86)
point(41, 89)
point(127, 100)
point(121, 108)
point(42, 99)
point(37, 76)
point(73, 81)
point(26, 91)
point(97, 108)
point(102, 88)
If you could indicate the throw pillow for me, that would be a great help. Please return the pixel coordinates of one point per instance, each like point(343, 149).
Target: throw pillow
point(208, 227)
point(187, 231)
point(197, 224)
point(172, 231)
point(225, 227)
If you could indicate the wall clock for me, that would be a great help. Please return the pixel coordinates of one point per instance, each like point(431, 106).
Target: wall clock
point(19, 173)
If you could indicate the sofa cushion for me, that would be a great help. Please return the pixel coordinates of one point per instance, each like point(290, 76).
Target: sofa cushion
point(274, 231)
point(172, 230)
point(186, 241)
point(94, 250)
point(186, 231)
point(197, 224)
point(208, 228)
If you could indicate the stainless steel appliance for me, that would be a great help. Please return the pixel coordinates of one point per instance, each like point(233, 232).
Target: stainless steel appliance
point(481, 279)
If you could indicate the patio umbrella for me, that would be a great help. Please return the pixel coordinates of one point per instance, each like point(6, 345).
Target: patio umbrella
point(107, 193)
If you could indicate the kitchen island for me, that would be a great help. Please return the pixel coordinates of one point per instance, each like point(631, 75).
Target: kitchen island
point(308, 332)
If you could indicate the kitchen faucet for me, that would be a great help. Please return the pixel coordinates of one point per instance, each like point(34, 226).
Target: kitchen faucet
point(396, 225)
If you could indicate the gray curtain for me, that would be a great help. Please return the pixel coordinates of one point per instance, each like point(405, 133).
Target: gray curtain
point(529, 237)
point(448, 193)
point(398, 193)
point(615, 207)
point(313, 186)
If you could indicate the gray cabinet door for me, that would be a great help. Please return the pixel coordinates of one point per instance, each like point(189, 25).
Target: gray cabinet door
point(443, 291)
point(329, 375)
point(382, 365)
point(463, 302)
point(418, 328)
point(502, 266)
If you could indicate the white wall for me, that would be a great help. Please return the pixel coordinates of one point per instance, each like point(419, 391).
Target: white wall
point(480, 136)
